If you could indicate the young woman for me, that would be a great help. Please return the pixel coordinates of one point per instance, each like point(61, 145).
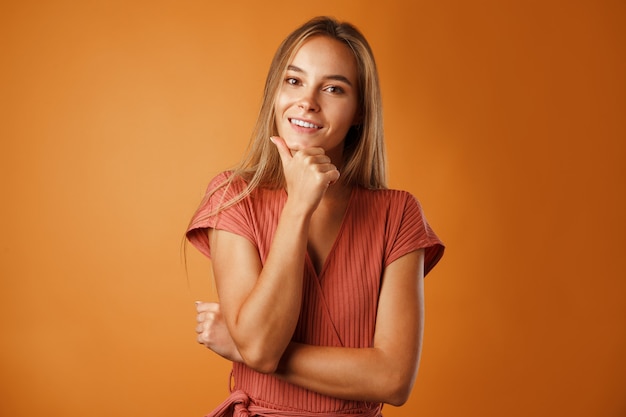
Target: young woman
point(318, 266)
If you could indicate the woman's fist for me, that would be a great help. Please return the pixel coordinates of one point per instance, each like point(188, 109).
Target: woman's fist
point(213, 332)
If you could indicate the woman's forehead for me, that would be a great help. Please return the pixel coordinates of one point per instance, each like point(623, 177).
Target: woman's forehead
point(322, 54)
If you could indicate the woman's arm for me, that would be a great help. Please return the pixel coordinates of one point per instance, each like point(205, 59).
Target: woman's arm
point(386, 371)
point(383, 373)
point(261, 303)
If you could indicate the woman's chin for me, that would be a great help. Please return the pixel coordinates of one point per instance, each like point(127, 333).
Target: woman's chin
point(296, 145)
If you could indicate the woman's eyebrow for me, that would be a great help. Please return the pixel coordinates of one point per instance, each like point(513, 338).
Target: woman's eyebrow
point(336, 77)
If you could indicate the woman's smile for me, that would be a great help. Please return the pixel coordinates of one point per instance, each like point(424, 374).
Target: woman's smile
point(299, 123)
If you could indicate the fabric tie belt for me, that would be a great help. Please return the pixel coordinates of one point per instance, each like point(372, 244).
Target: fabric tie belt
point(238, 404)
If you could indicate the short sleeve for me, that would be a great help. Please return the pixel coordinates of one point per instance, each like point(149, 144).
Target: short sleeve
point(234, 219)
point(412, 232)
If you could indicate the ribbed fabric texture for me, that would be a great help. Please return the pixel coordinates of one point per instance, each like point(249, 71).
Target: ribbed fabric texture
point(339, 306)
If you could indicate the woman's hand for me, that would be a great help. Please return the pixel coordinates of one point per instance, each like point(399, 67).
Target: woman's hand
point(213, 333)
point(308, 173)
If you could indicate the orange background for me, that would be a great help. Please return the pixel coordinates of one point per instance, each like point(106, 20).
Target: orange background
point(506, 119)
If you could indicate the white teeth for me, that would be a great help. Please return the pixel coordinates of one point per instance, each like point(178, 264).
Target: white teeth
point(302, 123)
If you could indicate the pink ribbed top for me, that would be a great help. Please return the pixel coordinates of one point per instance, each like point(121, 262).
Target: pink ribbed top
point(339, 305)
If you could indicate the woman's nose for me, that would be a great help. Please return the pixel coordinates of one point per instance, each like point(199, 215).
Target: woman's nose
point(308, 100)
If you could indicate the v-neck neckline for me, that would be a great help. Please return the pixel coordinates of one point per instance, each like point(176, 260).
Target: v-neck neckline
point(340, 231)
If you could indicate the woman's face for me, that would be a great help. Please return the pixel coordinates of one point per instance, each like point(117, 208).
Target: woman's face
point(317, 101)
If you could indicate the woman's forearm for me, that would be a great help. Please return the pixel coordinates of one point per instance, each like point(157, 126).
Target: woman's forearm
point(361, 374)
point(263, 323)
point(270, 313)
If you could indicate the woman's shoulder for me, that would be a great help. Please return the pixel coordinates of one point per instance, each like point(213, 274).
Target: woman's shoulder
point(389, 203)
point(232, 186)
point(387, 196)
point(226, 178)
point(221, 177)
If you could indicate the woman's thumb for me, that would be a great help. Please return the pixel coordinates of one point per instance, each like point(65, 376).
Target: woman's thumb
point(283, 150)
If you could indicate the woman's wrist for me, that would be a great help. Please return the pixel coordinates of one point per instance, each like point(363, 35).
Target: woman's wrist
point(297, 211)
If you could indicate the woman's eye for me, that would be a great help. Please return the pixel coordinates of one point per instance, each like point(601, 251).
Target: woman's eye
point(334, 89)
point(291, 81)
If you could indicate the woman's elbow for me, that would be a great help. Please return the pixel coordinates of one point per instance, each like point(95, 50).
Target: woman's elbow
point(398, 396)
point(398, 389)
point(260, 361)
point(263, 366)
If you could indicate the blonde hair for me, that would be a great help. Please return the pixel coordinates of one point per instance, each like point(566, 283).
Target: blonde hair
point(364, 161)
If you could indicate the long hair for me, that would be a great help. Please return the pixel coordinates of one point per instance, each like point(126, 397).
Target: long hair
point(364, 161)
